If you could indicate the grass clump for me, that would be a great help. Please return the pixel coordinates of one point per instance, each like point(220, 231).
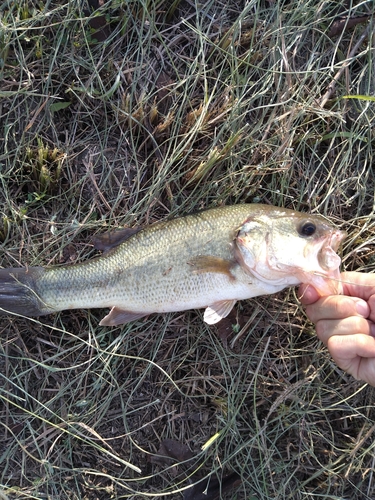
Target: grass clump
point(43, 166)
point(125, 113)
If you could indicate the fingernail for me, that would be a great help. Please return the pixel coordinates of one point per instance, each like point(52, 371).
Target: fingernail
point(362, 308)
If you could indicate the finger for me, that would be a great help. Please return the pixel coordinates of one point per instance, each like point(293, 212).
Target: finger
point(337, 307)
point(307, 294)
point(355, 354)
point(358, 284)
point(371, 303)
point(327, 328)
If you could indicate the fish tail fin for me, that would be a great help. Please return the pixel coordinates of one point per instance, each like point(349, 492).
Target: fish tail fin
point(18, 291)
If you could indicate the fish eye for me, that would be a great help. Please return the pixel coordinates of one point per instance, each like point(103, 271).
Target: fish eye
point(307, 229)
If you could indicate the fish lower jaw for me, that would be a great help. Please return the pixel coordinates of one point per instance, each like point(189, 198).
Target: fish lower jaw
point(325, 284)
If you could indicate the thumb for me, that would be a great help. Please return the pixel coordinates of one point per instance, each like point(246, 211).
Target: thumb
point(307, 294)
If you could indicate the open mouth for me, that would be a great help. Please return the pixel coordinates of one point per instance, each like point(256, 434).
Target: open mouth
point(327, 257)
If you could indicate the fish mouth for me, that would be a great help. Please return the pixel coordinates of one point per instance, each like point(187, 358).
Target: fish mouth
point(328, 282)
point(327, 256)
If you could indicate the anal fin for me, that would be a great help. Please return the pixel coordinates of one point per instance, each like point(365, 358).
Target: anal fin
point(118, 316)
point(217, 311)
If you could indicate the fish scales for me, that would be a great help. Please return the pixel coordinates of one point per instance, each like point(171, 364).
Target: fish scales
point(209, 259)
point(152, 267)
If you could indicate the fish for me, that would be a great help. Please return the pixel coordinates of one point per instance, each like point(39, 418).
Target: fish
point(210, 259)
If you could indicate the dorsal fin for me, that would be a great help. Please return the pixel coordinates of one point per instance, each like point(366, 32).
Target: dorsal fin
point(111, 239)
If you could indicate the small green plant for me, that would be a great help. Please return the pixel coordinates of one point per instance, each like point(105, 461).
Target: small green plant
point(44, 165)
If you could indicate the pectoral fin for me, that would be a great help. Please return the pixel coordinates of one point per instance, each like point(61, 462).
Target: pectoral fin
point(217, 311)
point(118, 316)
point(211, 264)
point(106, 241)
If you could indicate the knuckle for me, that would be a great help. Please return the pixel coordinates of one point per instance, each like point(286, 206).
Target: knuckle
point(343, 307)
point(359, 325)
point(321, 328)
point(361, 341)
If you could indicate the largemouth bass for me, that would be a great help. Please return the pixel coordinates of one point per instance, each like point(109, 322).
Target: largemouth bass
point(207, 260)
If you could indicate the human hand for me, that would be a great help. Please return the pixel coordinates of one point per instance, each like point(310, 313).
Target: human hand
point(346, 323)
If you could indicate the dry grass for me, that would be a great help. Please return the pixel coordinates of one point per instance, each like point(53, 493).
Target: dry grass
point(129, 112)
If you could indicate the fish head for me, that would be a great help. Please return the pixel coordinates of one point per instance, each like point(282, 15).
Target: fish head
point(283, 247)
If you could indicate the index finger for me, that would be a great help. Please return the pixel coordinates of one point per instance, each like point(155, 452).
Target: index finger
point(337, 307)
point(358, 284)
